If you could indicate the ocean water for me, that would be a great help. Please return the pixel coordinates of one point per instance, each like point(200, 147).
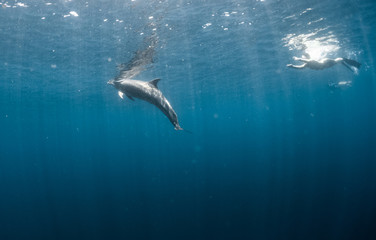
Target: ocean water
point(275, 152)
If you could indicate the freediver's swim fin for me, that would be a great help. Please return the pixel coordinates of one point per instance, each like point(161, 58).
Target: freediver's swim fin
point(352, 62)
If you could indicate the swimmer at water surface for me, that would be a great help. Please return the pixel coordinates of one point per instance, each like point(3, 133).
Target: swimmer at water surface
point(324, 63)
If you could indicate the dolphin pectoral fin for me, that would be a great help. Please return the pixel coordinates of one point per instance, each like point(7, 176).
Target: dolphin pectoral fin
point(155, 82)
point(121, 95)
point(131, 98)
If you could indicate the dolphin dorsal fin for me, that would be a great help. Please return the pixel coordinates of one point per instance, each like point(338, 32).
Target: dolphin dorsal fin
point(155, 82)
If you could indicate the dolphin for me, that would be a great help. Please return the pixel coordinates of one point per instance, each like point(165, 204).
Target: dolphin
point(149, 92)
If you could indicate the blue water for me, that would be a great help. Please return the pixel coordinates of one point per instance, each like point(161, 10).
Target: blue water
point(276, 153)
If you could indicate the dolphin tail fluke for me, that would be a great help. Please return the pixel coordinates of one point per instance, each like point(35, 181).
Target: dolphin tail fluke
point(178, 128)
point(187, 131)
point(352, 63)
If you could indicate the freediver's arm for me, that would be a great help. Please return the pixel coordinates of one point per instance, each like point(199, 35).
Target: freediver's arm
point(305, 60)
point(297, 66)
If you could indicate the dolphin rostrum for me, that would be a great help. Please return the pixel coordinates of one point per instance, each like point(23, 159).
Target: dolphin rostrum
point(147, 91)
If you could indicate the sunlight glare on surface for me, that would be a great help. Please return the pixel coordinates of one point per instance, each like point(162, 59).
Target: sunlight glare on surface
point(313, 46)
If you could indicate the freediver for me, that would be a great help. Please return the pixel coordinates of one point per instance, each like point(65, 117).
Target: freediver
point(324, 63)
